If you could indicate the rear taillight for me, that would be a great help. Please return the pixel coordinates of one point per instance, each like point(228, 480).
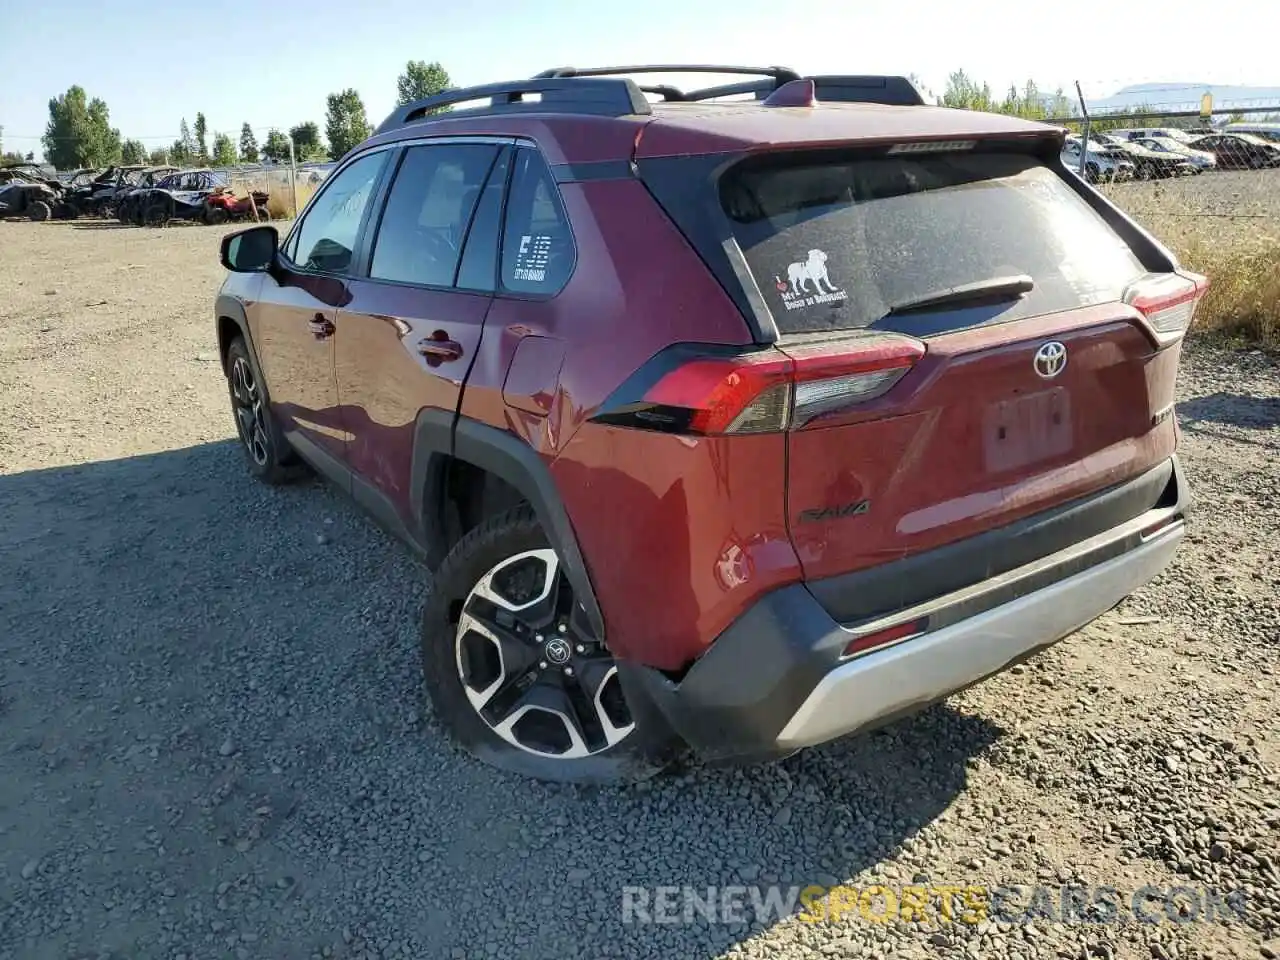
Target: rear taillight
point(685, 390)
point(1167, 302)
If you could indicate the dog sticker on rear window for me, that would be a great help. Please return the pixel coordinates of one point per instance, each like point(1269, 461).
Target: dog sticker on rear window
point(808, 283)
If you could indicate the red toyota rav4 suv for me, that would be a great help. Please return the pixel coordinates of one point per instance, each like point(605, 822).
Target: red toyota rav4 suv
point(726, 424)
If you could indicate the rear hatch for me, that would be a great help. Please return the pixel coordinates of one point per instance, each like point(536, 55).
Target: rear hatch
point(972, 342)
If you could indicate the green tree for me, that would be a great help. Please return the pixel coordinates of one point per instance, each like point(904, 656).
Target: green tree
point(202, 144)
point(421, 79)
point(306, 142)
point(248, 145)
point(276, 149)
point(79, 133)
point(345, 123)
point(184, 149)
point(1061, 105)
point(964, 93)
point(132, 151)
point(159, 157)
point(224, 151)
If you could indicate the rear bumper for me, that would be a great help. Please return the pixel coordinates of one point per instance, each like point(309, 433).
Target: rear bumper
point(777, 679)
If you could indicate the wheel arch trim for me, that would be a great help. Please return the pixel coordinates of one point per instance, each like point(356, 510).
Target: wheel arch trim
point(441, 435)
point(230, 308)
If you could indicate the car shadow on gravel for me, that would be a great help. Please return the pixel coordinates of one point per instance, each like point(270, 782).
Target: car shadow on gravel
point(213, 725)
point(1230, 409)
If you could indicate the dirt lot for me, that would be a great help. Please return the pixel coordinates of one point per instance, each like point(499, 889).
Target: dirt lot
point(212, 742)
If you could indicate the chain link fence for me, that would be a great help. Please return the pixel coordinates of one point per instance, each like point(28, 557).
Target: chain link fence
point(288, 188)
point(1208, 189)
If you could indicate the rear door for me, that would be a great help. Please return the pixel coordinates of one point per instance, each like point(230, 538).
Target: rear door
point(409, 331)
point(1040, 390)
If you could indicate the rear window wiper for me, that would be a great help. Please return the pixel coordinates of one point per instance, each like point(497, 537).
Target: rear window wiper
point(994, 290)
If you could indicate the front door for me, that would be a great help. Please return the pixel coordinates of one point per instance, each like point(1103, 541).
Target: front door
point(409, 332)
point(299, 305)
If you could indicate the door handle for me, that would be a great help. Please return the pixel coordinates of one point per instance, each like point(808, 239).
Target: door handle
point(439, 348)
point(321, 326)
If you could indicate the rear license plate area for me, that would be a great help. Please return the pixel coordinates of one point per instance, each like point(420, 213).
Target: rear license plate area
point(1027, 429)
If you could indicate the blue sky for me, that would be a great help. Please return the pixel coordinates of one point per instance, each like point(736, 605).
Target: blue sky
point(272, 63)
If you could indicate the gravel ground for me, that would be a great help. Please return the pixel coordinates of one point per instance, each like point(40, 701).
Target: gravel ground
point(212, 742)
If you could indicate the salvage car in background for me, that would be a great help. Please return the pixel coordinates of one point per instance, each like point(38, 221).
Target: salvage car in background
point(125, 203)
point(35, 200)
point(1202, 160)
point(26, 191)
point(179, 196)
point(224, 205)
point(1240, 151)
point(1102, 162)
point(95, 198)
point(1149, 164)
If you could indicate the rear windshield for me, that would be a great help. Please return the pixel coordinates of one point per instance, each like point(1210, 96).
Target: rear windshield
point(835, 246)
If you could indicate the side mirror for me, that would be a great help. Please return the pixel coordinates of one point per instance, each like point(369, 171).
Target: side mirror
point(250, 251)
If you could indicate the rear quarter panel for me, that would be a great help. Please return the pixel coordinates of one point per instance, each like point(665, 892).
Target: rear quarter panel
point(663, 523)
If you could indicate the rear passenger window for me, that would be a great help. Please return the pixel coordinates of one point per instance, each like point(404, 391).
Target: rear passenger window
point(428, 212)
point(479, 270)
point(537, 247)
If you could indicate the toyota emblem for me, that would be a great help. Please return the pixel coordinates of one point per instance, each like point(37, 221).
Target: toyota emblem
point(557, 650)
point(1050, 360)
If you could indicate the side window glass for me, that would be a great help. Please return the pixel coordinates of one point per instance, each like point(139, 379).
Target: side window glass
point(428, 212)
point(479, 269)
point(326, 238)
point(537, 246)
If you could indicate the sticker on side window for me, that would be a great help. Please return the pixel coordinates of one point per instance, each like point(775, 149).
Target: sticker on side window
point(808, 283)
point(532, 258)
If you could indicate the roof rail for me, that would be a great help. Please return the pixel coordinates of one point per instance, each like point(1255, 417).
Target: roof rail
point(608, 92)
point(780, 75)
point(603, 96)
point(894, 91)
point(834, 88)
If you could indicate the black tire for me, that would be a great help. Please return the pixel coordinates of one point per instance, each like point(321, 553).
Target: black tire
point(266, 450)
point(214, 216)
point(38, 210)
point(65, 211)
point(637, 755)
point(156, 214)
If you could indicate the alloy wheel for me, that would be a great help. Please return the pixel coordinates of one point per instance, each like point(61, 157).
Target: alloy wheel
point(250, 413)
point(530, 665)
